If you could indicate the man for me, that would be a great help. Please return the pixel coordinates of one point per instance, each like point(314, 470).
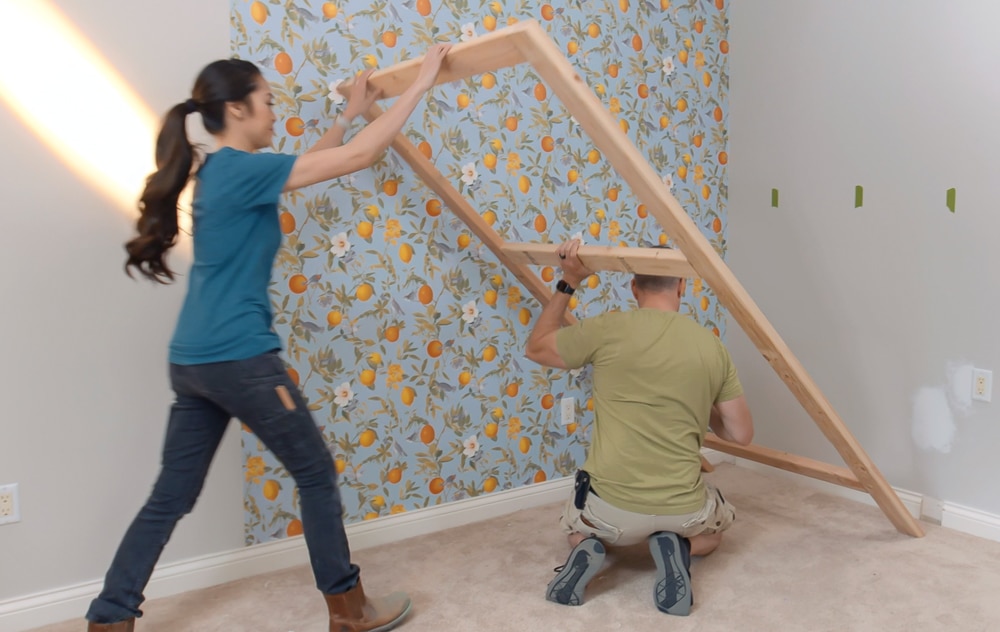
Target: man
point(660, 381)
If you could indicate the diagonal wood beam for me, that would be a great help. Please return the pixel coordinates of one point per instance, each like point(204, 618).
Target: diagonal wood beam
point(557, 72)
point(657, 261)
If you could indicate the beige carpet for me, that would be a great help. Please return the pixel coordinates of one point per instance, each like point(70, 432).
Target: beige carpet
point(796, 559)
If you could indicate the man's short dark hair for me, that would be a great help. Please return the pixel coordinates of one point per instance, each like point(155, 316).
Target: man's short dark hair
point(656, 283)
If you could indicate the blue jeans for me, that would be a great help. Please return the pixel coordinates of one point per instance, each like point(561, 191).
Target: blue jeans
point(258, 392)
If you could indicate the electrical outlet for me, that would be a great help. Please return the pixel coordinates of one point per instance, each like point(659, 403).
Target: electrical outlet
point(9, 507)
point(982, 385)
point(567, 406)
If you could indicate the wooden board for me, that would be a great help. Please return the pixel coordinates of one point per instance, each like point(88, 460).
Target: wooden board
point(656, 261)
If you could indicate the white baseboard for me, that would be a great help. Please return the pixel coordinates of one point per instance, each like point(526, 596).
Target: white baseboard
point(971, 521)
point(31, 611)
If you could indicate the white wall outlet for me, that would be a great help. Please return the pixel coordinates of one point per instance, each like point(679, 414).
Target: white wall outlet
point(982, 385)
point(9, 507)
point(567, 406)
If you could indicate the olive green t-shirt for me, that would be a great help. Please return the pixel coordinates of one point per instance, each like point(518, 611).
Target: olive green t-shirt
point(656, 376)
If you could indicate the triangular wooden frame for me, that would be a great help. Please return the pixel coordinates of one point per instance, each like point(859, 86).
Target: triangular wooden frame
point(527, 42)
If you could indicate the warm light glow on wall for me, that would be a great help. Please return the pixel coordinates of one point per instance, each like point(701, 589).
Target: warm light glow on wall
point(64, 90)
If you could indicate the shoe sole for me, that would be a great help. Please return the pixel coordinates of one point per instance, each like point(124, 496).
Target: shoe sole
point(395, 622)
point(672, 590)
point(585, 561)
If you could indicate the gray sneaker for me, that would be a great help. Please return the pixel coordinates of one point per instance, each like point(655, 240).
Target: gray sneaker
point(582, 564)
point(672, 590)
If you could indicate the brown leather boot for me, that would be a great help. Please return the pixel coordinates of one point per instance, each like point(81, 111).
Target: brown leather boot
point(120, 626)
point(352, 611)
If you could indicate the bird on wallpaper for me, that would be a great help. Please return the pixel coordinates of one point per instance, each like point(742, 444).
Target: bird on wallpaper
point(393, 14)
point(444, 105)
point(303, 12)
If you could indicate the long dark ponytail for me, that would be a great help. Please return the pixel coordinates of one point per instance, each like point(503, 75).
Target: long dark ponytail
point(220, 82)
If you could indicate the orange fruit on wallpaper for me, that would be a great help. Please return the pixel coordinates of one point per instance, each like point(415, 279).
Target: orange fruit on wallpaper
point(490, 161)
point(436, 486)
point(365, 230)
point(367, 377)
point(593, 29)
point(364, 292)
point(571, 427)
point(547, 12)
point(706, 79)
point(664, 5)
point(389, 38)
point(378, 502)
point(463, 241)
point(427, 434)
point(490, 217)
point(642, 91)
point(287, 222)
point(720, 4)
point(540, 477)
point(593, 281)
point(682, 56)
point(293, 375)
point(524, 445)
point(540, 91)
point(433, 207)
point(462, 100)
point(490, 484)
point(295, 126)
point(723, 157)
point(489, 23)
point(548, 273)
point(717, 114)
point(548, 401)
point(662, 239)
point(512, 389)
point(407, 395)
point(405, 253)
point(390, 187)
point(425, 149)
point(724, 47)
point(699, 26)
point(590, 403)
point(704, 303)
point(682, 172)
point(572, 175)
point(298, 283)
point(717, 225)
point(541, 223)
point(371, 515)
point(524, 316)
point(392, 333)
point(330, 10)
point(613, 70)
point(594, 229)
point(258, 12)
point(681, 105)
point(367, 438)
point(464, 378)
point(424, 7)
point(434, 348)
point(511, 123)
point(488, 80)
point(283, 63)
point(334, 318)
point(664, 122)
point(715, 330)
point(490, 298)
point(636, 42)
point(613, 194)
point(425, 294)
point(271, 489)
point(573, 302)
point(622, 123)
point(593, 156)
point(572, 47)
point(294, 528)
point(706, 192)
point(641, 211)
point(394, 475)
point(623, 5)
point(340, 465)
point(548, 143)
point(524, 184)
point(491, 430)
point(490, 353)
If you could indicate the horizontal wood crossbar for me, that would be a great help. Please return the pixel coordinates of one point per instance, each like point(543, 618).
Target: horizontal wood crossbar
point(656, 261)
point(789, 462)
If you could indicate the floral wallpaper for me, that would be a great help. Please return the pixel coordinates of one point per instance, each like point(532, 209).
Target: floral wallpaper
point(404, 333)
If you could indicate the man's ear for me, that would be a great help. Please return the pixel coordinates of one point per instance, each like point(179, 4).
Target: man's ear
point(681, 287)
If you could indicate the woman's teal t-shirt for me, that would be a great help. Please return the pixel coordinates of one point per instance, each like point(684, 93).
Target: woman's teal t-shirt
point(227, 313)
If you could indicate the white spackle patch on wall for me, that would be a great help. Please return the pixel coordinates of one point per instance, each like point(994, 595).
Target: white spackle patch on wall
point(933, 423)
point(960, 387)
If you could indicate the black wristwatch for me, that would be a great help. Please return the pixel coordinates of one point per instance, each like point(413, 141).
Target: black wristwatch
point(564, 287)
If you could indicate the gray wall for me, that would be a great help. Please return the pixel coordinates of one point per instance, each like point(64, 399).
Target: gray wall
point(83, 381)
point(887, 305)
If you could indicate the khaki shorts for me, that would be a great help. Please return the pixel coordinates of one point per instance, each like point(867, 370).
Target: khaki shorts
point(617, 526)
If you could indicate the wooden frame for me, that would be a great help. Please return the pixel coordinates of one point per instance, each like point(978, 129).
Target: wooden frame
point(527, 42)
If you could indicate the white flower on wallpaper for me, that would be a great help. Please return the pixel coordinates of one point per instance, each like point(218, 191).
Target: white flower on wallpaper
point(579, 237)
point(668, 66)
point(669, 181)
point(343, 394)
point(335, 97)
point(469, 173)
point(468, 31)
point(339, 245)
point(471, 445)
point(470, 312)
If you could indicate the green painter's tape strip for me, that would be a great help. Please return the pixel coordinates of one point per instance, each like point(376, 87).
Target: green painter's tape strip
point(951, 200)
point(774, 198)
point(859, 196)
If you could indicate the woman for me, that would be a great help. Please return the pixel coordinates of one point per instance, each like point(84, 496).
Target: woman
point(224, 359)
